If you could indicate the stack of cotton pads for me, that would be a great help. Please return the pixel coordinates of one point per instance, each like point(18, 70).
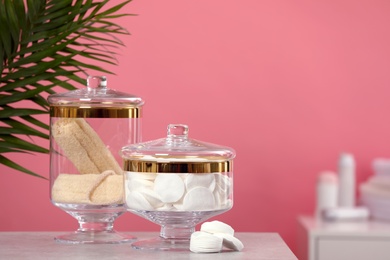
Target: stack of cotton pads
point(181, 192)
point(213, 236)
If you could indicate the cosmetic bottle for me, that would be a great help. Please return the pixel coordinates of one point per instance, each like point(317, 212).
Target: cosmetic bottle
point(327, 189)
point(346, 176)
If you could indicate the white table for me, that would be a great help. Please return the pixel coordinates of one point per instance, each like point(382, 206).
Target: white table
point(41, 245)
point(343, 240)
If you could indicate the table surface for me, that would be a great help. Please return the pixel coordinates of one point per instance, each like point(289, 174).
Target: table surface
point(41, 245)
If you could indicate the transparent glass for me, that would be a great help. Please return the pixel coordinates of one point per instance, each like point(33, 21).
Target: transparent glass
point(186, 200)
point(86, 177)
point(177, 183)
point(178, 147)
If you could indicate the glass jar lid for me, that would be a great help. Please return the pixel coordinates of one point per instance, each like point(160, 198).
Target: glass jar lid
point(96, 100)
point(177, 154)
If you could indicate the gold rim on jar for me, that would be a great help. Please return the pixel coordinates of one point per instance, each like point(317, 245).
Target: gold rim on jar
point(95, 112)
point(177, 167)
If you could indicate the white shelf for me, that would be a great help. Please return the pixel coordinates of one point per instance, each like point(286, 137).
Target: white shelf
point(360, 240)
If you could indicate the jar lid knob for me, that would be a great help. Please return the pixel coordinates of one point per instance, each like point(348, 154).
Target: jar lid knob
point(177, 131)
point(96, 82)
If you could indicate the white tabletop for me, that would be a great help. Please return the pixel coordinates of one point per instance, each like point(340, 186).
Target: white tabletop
point(41, 245)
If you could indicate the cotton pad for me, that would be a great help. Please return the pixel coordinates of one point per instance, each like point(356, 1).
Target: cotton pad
point(166, 207)
point(223, 182)
point(230, 241)
point(135, 184)
point(221, 199)
point(135, 200)
point(217, 227)
point(200, 180)
point(202, 242)
point(151, 196)
point(169, 187)
point(199, 198)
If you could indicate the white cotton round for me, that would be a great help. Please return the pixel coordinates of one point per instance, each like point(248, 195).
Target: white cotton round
point(166, 207)
point(135, 184)
point(135, 200)
point(220, 198)
point(223, 183)
point(169, 187)
point(202, 242)
point(200, 180)
point(217, 227)
point(230, 241)
point(178, 206)
point(199, 198)
point(152, 197)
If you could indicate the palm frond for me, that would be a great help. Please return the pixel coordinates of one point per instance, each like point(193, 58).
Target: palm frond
point(35, 122)
point(20, 128)
point(7, 162)
point(46, 45)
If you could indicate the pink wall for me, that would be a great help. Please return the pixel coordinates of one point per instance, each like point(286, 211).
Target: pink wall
point(288, 84)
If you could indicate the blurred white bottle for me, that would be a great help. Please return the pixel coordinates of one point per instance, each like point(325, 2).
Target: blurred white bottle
point(327, 189)
point(347, 181)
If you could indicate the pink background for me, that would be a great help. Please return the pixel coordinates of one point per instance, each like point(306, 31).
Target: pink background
point(288, 84)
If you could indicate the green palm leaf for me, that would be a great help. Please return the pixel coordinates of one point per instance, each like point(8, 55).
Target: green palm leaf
point(46, 45)
point(5, 161)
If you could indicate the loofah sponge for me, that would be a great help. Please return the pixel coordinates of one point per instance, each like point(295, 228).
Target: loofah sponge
point(100, 189)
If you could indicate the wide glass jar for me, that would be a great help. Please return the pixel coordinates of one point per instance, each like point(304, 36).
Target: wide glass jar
point(177, 182)
point(88, 127)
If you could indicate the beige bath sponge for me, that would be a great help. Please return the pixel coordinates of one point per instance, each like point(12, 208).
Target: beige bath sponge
point(83, 146)
point(100, 189)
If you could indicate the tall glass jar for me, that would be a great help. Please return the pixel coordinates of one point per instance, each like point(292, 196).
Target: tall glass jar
point(87, 129)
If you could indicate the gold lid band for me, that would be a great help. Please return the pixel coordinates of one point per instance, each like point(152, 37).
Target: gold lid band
point(95, 112)
point(177, 167)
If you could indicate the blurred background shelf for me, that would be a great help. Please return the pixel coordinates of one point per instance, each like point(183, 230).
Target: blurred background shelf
point(360, 240)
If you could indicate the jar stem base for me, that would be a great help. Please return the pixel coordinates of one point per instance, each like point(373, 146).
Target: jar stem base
point(163, 244)
point(96, 224)
point(172, 238)
point(95, 237)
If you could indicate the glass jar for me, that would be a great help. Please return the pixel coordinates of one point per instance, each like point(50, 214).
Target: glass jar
point(177, 182)
point(87, 129)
